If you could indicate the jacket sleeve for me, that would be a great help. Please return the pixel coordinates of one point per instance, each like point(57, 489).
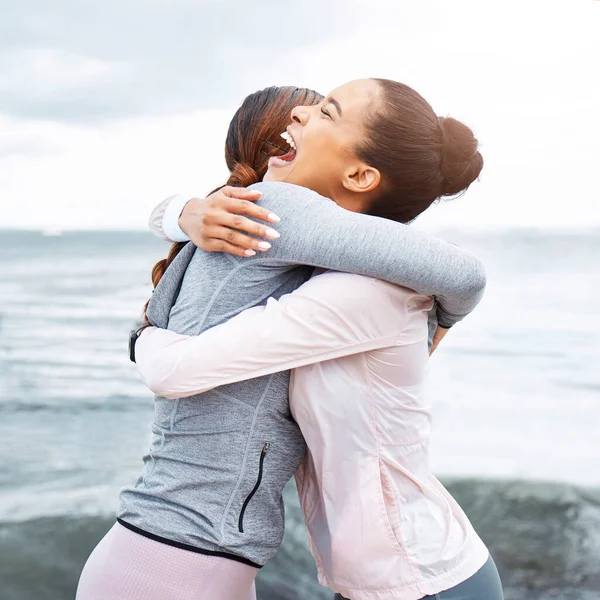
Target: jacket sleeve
point(316, 231)
point(323, 319)
point(164, 219)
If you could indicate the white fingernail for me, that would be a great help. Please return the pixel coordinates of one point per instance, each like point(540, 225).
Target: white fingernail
point(271, 233)
point(249, 252)
point(264, 245)
point(274, 218)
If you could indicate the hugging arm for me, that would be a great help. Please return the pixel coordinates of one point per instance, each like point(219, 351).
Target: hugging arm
point(217, 222)
point(315, 231)
point(323, 319)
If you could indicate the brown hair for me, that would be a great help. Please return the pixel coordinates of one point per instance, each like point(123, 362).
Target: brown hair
point(252, 138)
point(421, 157)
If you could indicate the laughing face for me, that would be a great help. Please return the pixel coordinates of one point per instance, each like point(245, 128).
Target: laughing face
point(322, 140)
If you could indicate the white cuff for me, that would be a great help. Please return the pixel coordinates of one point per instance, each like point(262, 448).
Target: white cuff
point(170, 224)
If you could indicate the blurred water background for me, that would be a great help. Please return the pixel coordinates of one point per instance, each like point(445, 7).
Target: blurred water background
point(516, 390)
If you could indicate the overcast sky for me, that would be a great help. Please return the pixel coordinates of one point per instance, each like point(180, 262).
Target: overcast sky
point(107, 107)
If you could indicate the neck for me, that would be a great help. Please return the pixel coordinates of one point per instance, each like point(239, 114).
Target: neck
point(351, 201)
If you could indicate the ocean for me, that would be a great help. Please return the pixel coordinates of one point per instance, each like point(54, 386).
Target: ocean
point(516, 392)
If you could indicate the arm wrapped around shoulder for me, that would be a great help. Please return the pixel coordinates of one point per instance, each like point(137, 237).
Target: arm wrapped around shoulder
point(315, 231)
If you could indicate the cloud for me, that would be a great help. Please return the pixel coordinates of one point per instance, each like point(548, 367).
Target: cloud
point(39, 82)
point(105, 109)
point(108, 177)
point(72, 60)
point(33, 71)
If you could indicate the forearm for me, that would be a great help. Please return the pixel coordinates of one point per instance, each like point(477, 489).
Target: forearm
point(314, 324)
point(188, 366)
point(317, 232)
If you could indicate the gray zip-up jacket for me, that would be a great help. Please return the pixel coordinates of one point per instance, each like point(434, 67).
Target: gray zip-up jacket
point(213, 477)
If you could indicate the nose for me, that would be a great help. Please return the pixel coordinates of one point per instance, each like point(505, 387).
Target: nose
point(300, 114)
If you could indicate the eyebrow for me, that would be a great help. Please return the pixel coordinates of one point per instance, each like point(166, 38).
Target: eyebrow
point(333, 101)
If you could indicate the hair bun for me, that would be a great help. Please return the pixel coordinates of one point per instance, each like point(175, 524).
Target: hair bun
point(461, 161)
point(243, 175)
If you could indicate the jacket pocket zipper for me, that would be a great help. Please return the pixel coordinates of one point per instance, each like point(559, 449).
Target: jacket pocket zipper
point(255, 488)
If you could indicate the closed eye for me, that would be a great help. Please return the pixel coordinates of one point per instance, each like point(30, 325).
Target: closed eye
point(326, 113)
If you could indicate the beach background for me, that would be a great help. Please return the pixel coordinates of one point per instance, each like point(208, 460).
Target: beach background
point(106, 108)
point(515, 389)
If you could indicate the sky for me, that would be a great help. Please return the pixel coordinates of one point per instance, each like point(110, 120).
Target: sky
point(108, 107)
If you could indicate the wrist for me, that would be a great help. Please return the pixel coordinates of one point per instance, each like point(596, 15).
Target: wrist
point(171, 219)
point(181, 219)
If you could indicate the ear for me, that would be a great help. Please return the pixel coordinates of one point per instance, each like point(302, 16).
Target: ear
point(362, 178)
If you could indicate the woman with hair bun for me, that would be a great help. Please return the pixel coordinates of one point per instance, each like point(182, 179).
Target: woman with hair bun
point(224, 440)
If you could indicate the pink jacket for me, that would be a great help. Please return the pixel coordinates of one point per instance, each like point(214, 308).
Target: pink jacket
point(380, 524)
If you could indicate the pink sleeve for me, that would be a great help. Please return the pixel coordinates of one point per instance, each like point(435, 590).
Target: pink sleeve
point(332, 315)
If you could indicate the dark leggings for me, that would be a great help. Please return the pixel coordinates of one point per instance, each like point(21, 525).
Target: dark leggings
point(484, 585)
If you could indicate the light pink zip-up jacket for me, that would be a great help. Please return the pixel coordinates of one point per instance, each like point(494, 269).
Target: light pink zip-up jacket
point(380, 524)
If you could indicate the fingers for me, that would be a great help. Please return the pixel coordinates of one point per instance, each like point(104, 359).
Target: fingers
point(247, 226)
point(240, 201)
point(438, 336)
point(241, 193)
point(244, 207)
point(223, 222)
point(217, 245)
point(236, 238)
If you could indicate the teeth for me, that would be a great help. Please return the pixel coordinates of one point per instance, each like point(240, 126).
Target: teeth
point(288, 138)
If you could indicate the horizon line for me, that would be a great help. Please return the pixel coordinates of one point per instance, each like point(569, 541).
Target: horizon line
point(57, 231)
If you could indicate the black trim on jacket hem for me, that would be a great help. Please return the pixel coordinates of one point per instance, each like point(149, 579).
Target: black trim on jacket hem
point(181, 546)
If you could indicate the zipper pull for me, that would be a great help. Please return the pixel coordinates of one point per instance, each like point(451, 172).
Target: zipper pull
point(265, 448)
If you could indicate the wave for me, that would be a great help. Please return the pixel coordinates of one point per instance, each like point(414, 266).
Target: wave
point(545, 539)
point(113, 404)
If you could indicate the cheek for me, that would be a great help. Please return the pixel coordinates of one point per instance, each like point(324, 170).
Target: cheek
point(319, 165)
point(329, 146)
point(327, 157)
point(320, 152)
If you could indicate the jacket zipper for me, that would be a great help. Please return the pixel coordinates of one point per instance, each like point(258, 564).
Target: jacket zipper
point(255, 488)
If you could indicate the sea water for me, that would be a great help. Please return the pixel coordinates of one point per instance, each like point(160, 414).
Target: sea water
point(515, 389)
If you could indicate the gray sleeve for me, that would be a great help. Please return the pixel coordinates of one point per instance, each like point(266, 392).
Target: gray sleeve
point(315, 231)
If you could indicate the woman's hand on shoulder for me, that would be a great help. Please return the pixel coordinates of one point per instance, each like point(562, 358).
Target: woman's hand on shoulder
point(221, 223)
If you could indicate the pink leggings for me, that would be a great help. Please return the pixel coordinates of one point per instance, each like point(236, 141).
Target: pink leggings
point(129, 566)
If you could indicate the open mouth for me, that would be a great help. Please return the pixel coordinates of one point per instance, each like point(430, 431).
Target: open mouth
point(288, 157)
